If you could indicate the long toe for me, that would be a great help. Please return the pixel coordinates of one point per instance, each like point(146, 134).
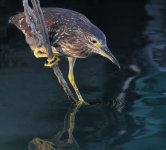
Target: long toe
point(52, 62)
point(82, 102)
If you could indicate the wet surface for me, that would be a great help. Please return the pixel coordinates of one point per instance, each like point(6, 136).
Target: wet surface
point(129, 106)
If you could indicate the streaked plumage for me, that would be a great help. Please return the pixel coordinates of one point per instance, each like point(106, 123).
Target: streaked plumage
point(66, 30)
point(71, 35)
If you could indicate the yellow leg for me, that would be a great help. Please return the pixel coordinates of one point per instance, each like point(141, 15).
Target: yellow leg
point(72, 81)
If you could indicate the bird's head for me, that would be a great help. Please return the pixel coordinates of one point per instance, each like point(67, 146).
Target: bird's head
point(96, 41)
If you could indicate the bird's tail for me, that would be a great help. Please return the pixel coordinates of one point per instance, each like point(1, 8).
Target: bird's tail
point(17, 20)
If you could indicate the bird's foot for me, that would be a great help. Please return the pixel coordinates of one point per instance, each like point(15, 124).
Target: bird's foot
point(82, 102)
point(52, 62)
point(39, 54)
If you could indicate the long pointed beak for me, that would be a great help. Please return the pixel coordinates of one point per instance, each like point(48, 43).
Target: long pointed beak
point(107, 53)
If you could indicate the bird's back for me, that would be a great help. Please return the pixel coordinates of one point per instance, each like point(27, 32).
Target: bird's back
point(66, 30)
point(55, 19)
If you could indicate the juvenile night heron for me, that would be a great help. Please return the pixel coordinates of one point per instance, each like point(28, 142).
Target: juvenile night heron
point(71, 35)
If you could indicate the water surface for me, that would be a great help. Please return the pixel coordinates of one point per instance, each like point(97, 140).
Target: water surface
point(128, 105)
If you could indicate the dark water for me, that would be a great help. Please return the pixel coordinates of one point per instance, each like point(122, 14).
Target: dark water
point(129, 105)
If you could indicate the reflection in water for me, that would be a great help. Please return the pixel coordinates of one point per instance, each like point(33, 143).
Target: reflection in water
point(64, 139)
point(149, 113)
point(119, 102)
point(39, 144)
point(60, 141)
point(156, 34)
point(118, 125)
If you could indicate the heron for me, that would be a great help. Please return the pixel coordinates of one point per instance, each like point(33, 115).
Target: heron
point(71, 34)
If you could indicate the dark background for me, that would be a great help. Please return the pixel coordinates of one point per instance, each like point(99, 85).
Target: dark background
point(32, 103)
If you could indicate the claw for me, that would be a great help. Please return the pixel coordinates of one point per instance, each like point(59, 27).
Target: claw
point(82, 102)
point(52, 62)
point(39, 54)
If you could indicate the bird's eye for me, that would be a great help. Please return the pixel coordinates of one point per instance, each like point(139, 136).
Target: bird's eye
point(94, 41)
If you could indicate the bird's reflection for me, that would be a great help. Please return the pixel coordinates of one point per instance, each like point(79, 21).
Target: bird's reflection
point(64, 139)
point(109, 120)
point(113, 122)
